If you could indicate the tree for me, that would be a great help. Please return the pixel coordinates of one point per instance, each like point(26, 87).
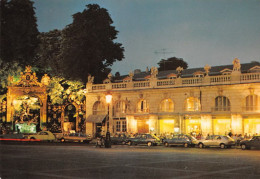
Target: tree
point(48, 56)
point(18, 31)
point(172, 63)
point(88, 46)
point(61, 90)
point(8, 72)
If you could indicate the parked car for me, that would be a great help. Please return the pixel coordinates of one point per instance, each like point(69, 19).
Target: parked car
point(248, 144)
point(43, 136)
point(180, 139)
point(216, 141)
point(118, 139)
point(147, 139)
point(74, 137)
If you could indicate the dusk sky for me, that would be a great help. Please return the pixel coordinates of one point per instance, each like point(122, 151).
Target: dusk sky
point(201, 32)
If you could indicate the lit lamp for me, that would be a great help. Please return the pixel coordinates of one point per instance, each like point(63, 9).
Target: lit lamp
point(108, 139)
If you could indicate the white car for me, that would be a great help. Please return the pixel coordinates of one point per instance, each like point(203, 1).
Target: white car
point(43, 136)
point(216, 141)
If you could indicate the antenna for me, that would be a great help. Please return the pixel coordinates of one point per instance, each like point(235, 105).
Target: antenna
point(162, 51)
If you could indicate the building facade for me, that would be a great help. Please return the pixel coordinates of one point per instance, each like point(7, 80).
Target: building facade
point(209, 100)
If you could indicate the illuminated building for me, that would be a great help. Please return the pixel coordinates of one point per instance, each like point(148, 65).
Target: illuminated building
point(209, 100)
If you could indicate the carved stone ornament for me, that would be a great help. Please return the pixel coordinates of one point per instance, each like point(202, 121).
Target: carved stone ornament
point(236, 64)
point(207, 68)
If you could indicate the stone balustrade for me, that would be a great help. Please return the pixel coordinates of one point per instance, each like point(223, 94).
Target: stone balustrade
point(178, 82)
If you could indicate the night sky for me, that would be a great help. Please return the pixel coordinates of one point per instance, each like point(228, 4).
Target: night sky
point(201, 32)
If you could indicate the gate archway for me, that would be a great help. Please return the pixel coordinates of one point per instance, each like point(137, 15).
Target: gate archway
point(28, 85)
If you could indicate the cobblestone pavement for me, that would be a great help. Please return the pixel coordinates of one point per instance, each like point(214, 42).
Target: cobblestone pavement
point(87, 161)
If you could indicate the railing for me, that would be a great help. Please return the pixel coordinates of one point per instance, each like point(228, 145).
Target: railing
point(141, 84)
point(220, 79)
point(191, 81)
point(165, 82)
point(251, 108)
point(99, 87)
point(179, 82)
point(119, 85)
point(250, 77)
point(221, 109)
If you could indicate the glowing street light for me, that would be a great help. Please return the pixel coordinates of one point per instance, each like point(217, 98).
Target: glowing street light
point(108, 139)
point(108, 98)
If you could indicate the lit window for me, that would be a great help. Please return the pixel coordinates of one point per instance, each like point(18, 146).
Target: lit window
point(167, 105)
point(142, 106)
point(192, 104)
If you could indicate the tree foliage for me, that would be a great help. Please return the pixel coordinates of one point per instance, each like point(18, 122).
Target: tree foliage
point(88, 46)
point(172, 63)
point(18, 31)
point(61, 90)
point(8, 72)
point(48, 56)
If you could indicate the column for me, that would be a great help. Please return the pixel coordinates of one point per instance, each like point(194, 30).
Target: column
point(206, 125)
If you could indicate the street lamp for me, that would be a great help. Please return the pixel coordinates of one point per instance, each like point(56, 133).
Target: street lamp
point(108, 139)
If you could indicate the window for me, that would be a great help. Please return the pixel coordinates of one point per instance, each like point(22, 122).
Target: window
point(123, 126)
point(222, 103)
point(142, 106)
point(120, 107)
point(252, 102)
point(99, 108)
point(192, 104)
point(120, 125)
point(167, 106)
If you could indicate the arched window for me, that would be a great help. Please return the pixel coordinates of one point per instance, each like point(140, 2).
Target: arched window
point(99, 108)
point(120, 107)
point(167, 106)
point(252, 102)
point(222, 103)
point(192, 104)
point(142, 106)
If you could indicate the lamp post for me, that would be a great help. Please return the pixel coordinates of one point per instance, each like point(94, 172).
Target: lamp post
point(108, 139)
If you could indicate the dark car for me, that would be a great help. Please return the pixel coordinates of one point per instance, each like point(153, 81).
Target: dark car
point(180, 139)
point(119, 139)
point(147, 139)
point(248, 144)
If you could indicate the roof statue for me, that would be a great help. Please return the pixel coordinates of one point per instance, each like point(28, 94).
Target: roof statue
point(207, 68)
point(90, 79)
point(131, 75)
point(154, 72)
point(45, 80)
point(236, 64)
point(109, 76)
point(179, 70)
